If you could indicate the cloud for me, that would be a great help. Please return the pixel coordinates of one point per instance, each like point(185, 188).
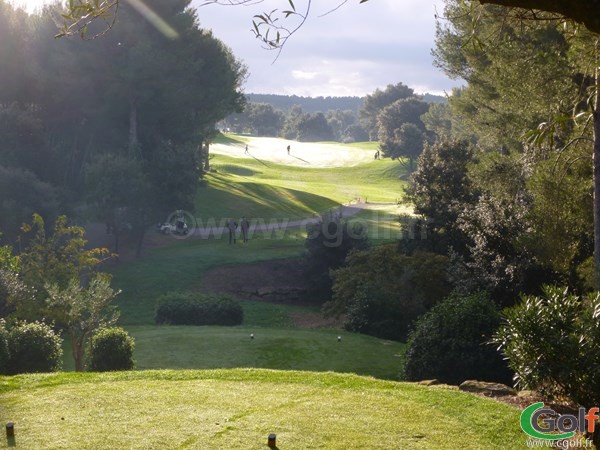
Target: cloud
point(302, 75)
point(351, 51)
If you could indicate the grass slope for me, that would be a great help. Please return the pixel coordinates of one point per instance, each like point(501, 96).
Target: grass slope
point(272, 348)
point(180, 267)
point(239, 408)
point(377, 181)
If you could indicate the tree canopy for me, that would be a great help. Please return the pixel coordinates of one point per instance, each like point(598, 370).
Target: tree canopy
point(97, 125)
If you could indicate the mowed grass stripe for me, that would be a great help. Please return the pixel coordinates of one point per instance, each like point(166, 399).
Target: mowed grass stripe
point(239, 408)
point(286, 349)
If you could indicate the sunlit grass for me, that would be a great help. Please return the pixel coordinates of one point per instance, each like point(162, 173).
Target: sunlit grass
point(240, 408)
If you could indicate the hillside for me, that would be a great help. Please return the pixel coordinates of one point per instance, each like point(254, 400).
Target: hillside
point(322, 104)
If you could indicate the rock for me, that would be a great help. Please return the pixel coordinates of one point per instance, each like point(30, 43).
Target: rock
point(527, 393)
point(485, 388)
point(429, 382)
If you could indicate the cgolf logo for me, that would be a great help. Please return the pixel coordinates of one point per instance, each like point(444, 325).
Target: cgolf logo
point(545, 423)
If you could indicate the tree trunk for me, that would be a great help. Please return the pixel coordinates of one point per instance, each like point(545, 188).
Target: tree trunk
point(585, 12)
point(596, 158)
point(206, 161)
point(77, 350)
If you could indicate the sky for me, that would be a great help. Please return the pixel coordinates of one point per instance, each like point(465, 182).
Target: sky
point(349, 52)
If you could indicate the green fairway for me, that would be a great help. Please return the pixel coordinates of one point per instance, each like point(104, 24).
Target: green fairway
point(287, 349)
point(261, 191)
point(239, 408)
point(376, 181)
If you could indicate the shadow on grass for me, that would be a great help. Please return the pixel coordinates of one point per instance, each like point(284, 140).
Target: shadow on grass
point(259, 160)
point(300, 159)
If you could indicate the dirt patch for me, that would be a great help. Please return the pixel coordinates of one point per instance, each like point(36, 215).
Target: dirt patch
point(275, 281)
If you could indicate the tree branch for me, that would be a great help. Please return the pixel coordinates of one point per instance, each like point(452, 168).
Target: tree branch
point(585, 12)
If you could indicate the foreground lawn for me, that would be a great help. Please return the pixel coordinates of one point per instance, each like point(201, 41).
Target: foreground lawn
point(233, 409)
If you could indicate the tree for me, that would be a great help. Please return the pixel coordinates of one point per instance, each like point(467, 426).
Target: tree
point(440, 189)
point(401, 131)
point(119, 190)
point(264, 119)
point(564, 114)
point(56, 258)
point(82, 310)
point(340, 122)
point(292, 120)
point(24, 194)
point(377, 101)
point(12, 289)
point(314, 128)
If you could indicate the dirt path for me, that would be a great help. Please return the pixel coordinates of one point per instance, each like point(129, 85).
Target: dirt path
point(214, 229)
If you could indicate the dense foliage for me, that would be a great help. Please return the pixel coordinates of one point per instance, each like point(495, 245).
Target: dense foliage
point(70, 107)
point(192, 308)
point(382, 292)
point(111, 349)
point(451, 342)
point(552, 342)
point(82, 310)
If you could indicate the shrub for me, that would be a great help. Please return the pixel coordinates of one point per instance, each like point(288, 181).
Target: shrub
point(4, 355)
point(34, 347)
point(552, 343)
point(449, 342)
point(111, 349)
point(190, 308)
point(381, 291)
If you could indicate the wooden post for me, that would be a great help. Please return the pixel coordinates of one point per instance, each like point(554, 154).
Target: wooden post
point(10, 430)
point(272, 442)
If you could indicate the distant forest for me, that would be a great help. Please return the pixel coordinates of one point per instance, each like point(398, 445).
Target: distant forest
point(322, 104)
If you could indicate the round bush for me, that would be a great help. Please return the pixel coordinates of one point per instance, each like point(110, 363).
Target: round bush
point(450, 342)
point(111, 349)
point(34, 347)
point(189, 308)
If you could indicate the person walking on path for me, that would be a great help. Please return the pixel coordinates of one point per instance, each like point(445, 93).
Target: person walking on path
point(245, 226)
point(231, 226)
point(288, 149)
point(246, 151)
